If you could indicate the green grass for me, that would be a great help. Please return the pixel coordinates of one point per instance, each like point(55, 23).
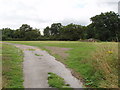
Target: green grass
point(87, 60)
point(56, 81)
point(31, 49)
point(38, 55)
point(12, 67)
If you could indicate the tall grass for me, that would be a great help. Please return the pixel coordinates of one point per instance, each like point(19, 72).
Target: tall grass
point(105, 59)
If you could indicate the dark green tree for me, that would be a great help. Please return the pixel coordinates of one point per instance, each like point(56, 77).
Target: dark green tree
point(55, 30)
point(7, 34)
point(47, 32)
point(32, 35)
point(90, 31)
point(72, 32)
point(105, 26)
point(23, 29)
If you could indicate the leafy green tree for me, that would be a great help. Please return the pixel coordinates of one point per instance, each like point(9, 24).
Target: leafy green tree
point(72, 32)
point(47, 32)
point(55, 28)
point(17, 34)
point(7, 34)
point(90, 31)
point(32, 35)
point(105, 26)
point(23, 29)
point(26, 32)
point(53, 32)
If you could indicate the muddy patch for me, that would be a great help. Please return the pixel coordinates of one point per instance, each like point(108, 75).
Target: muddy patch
point(62, 52)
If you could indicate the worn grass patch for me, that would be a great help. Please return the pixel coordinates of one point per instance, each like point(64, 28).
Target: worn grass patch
point(95, 62)
point(12, 67)
point(56, 81)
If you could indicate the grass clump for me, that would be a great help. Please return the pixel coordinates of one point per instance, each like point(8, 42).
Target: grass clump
point(56, 81)
point(31, 49)
point(12, 72)
point(38, 55)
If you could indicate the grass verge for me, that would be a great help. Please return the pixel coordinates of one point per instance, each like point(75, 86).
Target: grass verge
point(12, 67)
point(105, 59)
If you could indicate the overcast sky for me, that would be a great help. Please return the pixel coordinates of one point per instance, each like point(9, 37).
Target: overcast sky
point(42, 13)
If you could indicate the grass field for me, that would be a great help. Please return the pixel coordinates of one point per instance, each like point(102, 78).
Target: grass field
point(12, 59)
point(95, 63)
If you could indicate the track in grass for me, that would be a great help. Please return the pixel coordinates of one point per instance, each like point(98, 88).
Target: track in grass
point(38, 63)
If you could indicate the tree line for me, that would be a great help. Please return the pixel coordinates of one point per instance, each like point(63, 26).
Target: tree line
point(104, 27)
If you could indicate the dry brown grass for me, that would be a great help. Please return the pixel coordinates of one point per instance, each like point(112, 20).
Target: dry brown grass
point(106, 59)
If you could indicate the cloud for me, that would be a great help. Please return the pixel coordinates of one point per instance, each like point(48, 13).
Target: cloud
point(42, 13)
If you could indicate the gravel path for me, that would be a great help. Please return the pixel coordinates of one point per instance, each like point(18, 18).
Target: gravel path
point(37, 63)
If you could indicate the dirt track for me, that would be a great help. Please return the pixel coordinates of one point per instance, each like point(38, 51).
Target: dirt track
point(37, 63)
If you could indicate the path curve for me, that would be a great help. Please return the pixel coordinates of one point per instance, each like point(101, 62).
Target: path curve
point(36, 68)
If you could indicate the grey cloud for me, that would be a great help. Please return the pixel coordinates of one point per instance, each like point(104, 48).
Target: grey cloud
point(79, 21)
point(21, 18)
point(108, 2)
point(36, 13)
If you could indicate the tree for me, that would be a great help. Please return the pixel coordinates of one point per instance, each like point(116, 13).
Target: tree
point(7, 34)
point(47, 32)
point(26, 32)
point(53, 32)
point(32, 35)
point(23, 29)
point(105, 26)
point(72, 32)
point(55, 28)
point(90, 31)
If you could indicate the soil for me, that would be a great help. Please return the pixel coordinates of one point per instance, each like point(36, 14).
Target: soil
point(62, 52)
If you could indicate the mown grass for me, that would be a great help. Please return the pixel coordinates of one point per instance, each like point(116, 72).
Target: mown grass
point(12, 73)
point(56, 81)
point(95, 62)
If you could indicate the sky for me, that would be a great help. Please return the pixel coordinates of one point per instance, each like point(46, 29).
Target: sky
point(42, 13)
